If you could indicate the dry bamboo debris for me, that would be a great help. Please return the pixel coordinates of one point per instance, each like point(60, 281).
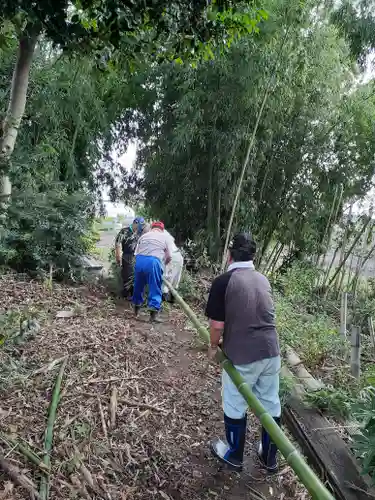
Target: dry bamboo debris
point(18, 478)
point(50, 366)
point(87, 476)
point(144, 455)
point(25, 451)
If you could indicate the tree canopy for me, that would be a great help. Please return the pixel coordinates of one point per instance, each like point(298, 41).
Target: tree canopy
point(90, 90)
point(315, 134)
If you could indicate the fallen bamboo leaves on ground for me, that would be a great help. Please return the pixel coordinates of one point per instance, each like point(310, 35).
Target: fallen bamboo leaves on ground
point(167, 399)
point(19, 479)
point(26, 452)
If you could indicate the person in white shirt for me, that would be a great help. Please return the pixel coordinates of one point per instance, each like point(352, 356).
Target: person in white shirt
point(152, 253)
point(173, 270)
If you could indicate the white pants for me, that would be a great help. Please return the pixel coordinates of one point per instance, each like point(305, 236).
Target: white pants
point(263, 379)
point(173, 271)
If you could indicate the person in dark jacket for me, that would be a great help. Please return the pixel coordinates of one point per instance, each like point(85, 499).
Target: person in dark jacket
point(125, 244)
point(241, 313)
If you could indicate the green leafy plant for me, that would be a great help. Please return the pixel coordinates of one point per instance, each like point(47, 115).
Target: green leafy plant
point(336, 402)
point(364, 441)
point(45, 231)
point(188, 287)
point(286, 386)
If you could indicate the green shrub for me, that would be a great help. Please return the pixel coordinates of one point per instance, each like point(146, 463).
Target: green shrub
point(298, 283)
point(47, 229)
point(188, 287)
point(337, 402)
point(114, 280)
point(364, 440)
point(314, 336)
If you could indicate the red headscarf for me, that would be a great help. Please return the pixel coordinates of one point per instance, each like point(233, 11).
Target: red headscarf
point(158, 225)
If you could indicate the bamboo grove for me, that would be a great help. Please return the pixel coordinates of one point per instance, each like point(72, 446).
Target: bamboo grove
point(313, 148)
point(191, 111)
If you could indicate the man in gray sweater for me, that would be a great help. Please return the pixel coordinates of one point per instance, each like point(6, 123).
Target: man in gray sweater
point(241, 313)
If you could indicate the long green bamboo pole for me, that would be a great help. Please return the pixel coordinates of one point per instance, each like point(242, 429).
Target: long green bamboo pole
point(313, 484)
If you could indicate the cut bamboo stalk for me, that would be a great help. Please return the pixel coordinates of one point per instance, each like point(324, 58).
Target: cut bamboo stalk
point(113, 407)
point(102, 418)
point(44, 483)
point(355, 357)
point(349, 277)
point(313, 484)
point(343, 314)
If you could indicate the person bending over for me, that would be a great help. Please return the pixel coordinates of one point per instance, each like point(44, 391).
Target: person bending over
point(151, 254)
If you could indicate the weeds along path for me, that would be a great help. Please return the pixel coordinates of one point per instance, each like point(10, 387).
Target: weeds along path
point(168, 404)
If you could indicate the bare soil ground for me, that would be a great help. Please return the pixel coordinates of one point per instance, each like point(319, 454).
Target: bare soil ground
point(168, 404)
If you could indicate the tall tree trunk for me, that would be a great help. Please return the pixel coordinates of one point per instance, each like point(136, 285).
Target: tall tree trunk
point(356, 239)
point(329, 268)
point(360, 259)
point(210, 192)
point(210, 207)
point(344, 243)
point(330, 228)
point(270, 257)
point(218, 223)
point(327, 228)
point(16, 107)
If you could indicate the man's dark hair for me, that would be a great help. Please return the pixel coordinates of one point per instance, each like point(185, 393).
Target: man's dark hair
point(243, 247)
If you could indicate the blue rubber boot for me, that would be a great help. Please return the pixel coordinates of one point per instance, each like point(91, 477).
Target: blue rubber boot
point(231, 452)
point(267, 450)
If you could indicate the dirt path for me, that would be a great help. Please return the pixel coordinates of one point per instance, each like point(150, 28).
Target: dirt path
point(168, 404)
